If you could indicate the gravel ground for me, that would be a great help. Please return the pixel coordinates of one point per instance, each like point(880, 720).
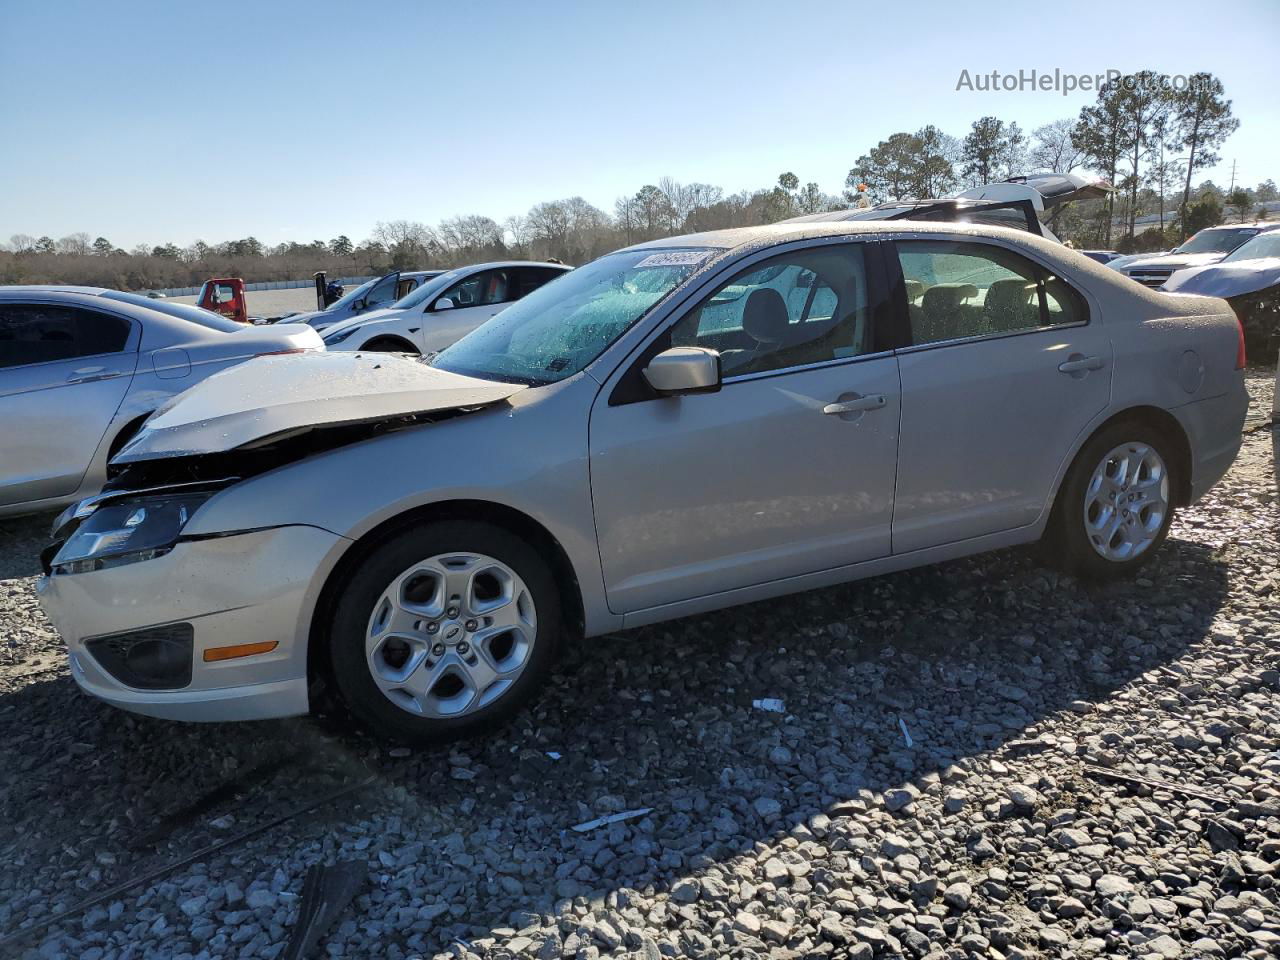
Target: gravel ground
point(925, 793)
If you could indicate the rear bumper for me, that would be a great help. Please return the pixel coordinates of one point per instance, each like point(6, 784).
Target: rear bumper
point(1214, 428)
point(245, 588)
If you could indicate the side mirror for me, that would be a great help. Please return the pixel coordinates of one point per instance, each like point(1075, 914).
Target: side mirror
point(444, 303)
point(684, 370)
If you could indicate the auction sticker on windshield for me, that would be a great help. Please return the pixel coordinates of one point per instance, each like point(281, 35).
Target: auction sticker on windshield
point(674, 258)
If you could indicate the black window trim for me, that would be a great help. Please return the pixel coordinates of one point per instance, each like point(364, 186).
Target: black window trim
point(132, 343)
point(894, 265)
point(886, 325)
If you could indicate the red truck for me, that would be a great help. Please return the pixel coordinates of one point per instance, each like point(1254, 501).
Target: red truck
point(225, 295)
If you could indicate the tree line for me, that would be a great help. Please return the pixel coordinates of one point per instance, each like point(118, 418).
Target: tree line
point(1143, 135)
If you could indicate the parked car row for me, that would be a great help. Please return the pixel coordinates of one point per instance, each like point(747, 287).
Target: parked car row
point(676, 427)
point(1238, 262)
point(81, 368)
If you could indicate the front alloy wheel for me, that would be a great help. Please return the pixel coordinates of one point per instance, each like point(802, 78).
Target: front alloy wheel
point(444, 630)
point(450, 635)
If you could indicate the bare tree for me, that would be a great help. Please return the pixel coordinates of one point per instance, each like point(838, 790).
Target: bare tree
point(1053, 147)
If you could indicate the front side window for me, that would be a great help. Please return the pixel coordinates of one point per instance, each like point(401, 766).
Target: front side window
point(45, 332)
point(799, 308)
point(958, 290)
point(481, 289)
point(561, 327)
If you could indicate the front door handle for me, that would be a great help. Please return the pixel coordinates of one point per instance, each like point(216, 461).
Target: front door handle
point(854, 404)
point(1080, 364)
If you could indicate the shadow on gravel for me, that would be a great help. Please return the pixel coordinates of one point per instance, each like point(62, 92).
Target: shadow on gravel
point(21, 540)
point(965, 656)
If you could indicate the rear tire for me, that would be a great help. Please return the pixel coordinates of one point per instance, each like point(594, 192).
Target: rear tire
point(444, 631)
point(1116, 504)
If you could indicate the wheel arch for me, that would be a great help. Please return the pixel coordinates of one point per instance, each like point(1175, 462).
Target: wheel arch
point(319, 669)
point(388, 339)
point(126, 433)
point(1159, 419)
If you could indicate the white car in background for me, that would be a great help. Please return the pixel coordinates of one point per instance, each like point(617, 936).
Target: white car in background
point(444, 309)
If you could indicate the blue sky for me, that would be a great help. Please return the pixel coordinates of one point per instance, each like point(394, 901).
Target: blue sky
point(155, 122)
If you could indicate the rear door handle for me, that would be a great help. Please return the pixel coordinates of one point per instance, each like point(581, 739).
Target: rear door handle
point(85, 374)
point(856, 405)
point(1079, 364)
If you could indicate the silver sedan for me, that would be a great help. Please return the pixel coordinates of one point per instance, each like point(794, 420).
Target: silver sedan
point(677, 427)
point(81, 368)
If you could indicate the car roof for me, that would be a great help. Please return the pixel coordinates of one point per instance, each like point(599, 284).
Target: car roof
point(53, 288)
point(1262, 226)
point(773, 233)
point(490, 264)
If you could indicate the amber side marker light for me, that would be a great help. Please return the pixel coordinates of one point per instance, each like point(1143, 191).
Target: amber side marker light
point(214, 654)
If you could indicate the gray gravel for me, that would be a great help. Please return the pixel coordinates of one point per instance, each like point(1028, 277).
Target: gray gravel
point(924, 794)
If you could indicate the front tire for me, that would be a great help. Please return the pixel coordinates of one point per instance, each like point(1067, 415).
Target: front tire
point(1116, 503)
point(444, 631)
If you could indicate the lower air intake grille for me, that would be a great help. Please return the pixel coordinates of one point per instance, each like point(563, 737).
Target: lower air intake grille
point(157, 658)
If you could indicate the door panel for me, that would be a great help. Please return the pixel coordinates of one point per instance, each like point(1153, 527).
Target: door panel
point(700, 494)
point(52, 424)
point(442, 327)
point(989, 411)
point(63, 372)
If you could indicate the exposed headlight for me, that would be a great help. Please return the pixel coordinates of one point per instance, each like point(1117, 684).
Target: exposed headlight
point(127, 532)
point(340, 335)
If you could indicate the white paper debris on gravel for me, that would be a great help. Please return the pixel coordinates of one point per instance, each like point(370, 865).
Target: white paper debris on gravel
point(612, 818)
point(770, 705)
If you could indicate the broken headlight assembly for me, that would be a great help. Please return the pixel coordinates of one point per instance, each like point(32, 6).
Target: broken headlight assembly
point(127, 532)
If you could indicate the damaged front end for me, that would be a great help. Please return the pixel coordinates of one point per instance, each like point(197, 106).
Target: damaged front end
point(249, 420)
point(144, 506)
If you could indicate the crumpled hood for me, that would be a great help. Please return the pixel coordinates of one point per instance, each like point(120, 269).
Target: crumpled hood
point(271, 397)
point(1176, 261)
point(1233, 279)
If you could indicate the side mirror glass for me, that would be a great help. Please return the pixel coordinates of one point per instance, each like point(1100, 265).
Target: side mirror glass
point(684, 370)
point(444, 303)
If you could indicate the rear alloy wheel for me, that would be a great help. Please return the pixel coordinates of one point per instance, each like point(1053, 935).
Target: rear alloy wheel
point(1126, 502)
point(1116, 504)
point(446, 630)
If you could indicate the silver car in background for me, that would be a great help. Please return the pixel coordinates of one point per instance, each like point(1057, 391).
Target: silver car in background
point(82, 367)
point(680, 426)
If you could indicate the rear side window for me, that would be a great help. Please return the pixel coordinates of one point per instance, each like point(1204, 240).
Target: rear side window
point(46, 332)
point(529, 279)
point(958, 290)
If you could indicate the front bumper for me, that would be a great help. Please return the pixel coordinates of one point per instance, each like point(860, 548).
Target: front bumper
point(240, 588)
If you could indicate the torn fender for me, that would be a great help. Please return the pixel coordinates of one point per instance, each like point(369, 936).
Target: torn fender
point(269, 398)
